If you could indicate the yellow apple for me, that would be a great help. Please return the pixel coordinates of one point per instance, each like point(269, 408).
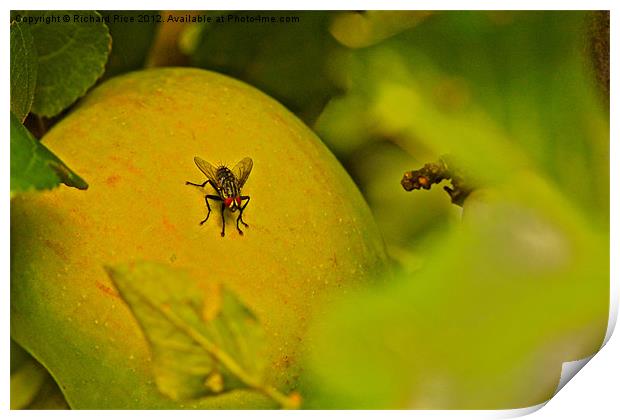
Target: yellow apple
point(134, 138)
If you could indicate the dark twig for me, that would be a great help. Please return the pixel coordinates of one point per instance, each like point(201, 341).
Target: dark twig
point(434, 173)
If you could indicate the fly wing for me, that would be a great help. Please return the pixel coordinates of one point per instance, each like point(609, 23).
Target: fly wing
point(207, 169)
point(242, 170)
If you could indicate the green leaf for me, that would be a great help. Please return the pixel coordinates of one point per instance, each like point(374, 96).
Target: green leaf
point(49, 397)
point(362, 29)
point(203, 343)
point(32, 387)
point(288, 61)
point(33, 166)
point(26, 381)
point(132, 40)
point(23, 69)
point(499, 90)
point(71, 55)
point(503, 299)
point(19, 356)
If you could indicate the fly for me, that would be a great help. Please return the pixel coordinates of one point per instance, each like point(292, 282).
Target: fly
point(227, 183)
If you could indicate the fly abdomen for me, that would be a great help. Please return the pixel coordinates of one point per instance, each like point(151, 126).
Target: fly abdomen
point(227, 182)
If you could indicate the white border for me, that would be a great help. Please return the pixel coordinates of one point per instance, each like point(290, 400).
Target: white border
point(594, 393)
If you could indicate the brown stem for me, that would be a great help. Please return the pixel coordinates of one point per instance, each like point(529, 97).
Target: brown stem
point(434, 173)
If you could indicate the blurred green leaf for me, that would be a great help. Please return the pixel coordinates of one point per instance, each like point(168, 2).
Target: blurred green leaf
point(49, 397)
point(404, 220)
point(32, 387)
point(26, 382)
point(71, 58)
point(499, 91)
point(486, 323)
point(343, 123)
point(33, 166)
point(203, 343)
point(484, 314)
point(131, 40)
point(19, 356)
point(290, 61)
point(23, 69)
point(362, 29)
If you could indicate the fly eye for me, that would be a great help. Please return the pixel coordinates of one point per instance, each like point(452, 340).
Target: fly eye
point(238, 200)
point(228, 201)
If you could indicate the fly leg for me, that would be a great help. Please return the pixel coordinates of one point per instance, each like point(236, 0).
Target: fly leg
point(208, 181)
point(212, 197)
point(238, 228)
point(196, 185)
point(240, 217)
point(223, 219)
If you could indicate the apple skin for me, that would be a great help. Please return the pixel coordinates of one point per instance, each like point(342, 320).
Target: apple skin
point(311, 238)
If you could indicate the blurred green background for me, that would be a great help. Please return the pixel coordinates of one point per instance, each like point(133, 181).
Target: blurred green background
point(487, 301)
